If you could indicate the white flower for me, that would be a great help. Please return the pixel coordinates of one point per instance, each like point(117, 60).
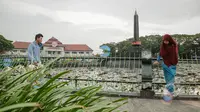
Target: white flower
point(40, 65)
point(31, 67)
point(20, 69)
point(197, 91)
point(7, 69)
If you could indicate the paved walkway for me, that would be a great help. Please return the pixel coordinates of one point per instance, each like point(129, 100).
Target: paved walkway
point(151, 105)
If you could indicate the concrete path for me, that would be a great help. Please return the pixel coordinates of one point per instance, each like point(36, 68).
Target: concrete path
point(151, 105)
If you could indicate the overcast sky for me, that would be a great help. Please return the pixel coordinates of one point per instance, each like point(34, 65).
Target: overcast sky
point(94, 22)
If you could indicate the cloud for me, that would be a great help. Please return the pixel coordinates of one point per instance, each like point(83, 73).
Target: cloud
point(72, 21)
point(77, 18)
point(188, 26)
point(89, 21)
point(88, 18)
point(28, 9)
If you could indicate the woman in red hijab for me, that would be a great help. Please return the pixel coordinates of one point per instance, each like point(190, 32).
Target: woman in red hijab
point(169, 53)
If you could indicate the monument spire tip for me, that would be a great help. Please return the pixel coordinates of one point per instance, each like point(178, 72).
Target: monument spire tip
point(135, 11)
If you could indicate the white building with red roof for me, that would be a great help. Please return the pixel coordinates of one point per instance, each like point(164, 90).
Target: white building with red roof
point(53, 47)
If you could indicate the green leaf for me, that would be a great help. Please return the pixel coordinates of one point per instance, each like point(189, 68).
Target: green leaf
point(14, 82)
point(100, 105)
point(45, 91)
point(14, 98)
point(20, 105)
point(52, 95)
point(114, 108)
point(119, 100)
point(92, 100)
point(89, 95)
point(15, 88)
point(69, 108)
point(47, 83)
point(79, 93)
point(80, 110)
point(12, 94)
point(4, 73)
point(42, 71)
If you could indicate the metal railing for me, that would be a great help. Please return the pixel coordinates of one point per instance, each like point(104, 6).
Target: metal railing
point(115, 74)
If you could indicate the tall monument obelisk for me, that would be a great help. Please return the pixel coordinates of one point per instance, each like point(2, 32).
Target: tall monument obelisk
point(146, 91)
point(136, 44)
point(136, 27)
point(145, 64)
point(136, 30)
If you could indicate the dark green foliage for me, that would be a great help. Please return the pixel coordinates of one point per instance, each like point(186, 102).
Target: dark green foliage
point(189, 45)
point(5, 45)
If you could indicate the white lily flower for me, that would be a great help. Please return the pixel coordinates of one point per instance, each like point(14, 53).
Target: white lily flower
point(7, 69)
point(31, 67)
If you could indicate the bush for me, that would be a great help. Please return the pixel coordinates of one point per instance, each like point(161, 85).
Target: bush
point(18, 93)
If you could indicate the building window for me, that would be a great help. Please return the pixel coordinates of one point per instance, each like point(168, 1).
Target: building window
point(59, 52)
point(66, 52)
point(74, 52)
point(81, 52)
point(23, 51)
point(49, 52)
point(87, 53)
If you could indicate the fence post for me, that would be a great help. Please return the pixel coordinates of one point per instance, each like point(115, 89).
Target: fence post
point(147, 91)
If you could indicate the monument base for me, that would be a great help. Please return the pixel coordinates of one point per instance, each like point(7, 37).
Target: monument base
point(136, 43)
point(147, 94)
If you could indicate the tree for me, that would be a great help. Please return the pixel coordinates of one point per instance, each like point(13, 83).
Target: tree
point(5, 45)
point(189, 45)
point(123, 48)
point(151, 42)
